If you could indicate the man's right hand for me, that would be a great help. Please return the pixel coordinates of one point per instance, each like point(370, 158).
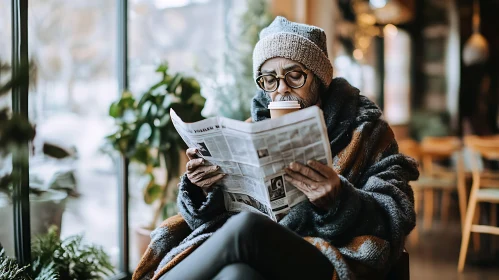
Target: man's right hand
point(203, 176)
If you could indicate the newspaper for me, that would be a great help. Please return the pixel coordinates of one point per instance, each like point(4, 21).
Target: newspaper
point(254, 155)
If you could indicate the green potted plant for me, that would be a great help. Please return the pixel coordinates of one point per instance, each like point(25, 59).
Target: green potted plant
point(145, 135)
point(53, 258)
point(10, 269)
point(46, 206)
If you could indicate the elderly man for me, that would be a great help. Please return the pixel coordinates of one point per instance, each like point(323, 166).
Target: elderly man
point(358, 211)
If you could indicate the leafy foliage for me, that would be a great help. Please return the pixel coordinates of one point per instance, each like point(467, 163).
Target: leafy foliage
point(69, 258)
point(15, 129)
point(54, 259)
point(9, 268)
point(145, 132)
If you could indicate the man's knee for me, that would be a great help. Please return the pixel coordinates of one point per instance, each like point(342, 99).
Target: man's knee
point(248, 223)
point(238, 271)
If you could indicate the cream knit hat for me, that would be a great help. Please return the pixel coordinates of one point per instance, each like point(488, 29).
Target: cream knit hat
point(299, 42)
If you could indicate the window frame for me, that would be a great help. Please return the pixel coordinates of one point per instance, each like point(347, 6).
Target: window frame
point(21, 204)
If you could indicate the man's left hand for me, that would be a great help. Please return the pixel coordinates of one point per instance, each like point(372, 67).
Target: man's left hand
point(317, 181)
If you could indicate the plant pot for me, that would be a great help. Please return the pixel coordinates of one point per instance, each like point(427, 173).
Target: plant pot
point(46, 209)
point(142, 233)
point(142, 239)
point(6, 230)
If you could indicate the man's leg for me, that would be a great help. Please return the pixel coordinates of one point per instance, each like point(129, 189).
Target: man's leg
point(239, 271)
point(272, 250)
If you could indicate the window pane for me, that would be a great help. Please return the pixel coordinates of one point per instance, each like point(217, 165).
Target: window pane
point(187, 34)
point(192, 37)
point(181, 33)
point(72, 45)
point(6, 210)
point(397, 75)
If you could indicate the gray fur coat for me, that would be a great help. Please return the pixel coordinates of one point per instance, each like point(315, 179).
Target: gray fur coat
point(362, 233)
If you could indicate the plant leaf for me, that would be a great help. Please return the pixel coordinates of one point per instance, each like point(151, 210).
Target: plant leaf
point(152, 192)
point(55, 151)
point(153, 111)
point(144, 133)
point(172, 87)
point(126, 101)
point(114, 110)
point(197, 99)
point(164, 120)
point(162, 68)
point(141, 154)
point(145, 108)
point(156, 138)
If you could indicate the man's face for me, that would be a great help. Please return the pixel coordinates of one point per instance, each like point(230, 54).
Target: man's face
point(307, 95)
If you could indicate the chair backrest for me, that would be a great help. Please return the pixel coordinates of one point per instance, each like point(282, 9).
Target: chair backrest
point(439, 148)
point(486, 147)
point(410, 148)
point(431, 149)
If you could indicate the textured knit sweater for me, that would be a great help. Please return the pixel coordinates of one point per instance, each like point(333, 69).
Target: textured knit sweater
point(362, 233)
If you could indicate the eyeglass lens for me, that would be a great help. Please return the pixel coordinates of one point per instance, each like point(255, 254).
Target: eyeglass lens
point(270, 82)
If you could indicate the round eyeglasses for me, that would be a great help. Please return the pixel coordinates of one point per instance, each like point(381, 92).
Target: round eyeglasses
point(270, 82)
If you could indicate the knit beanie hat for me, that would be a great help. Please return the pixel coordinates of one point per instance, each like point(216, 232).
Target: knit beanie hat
point(296, 41)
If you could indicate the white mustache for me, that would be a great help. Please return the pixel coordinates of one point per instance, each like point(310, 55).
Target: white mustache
point(290, 97)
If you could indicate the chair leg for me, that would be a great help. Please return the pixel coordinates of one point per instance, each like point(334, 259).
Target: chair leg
point(417, 204)
point(466, 234)
point(493, 214)
point(461, 194)
point(413, 237)
point(444, 210)
point(476, 235)
point(493, 222)
point(428, 209)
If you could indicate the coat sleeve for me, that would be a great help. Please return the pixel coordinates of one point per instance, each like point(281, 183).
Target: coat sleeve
point(377, 201)
point(195, 207)
point(381, 205)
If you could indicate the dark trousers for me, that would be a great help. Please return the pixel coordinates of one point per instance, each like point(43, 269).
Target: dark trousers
point(251, 246)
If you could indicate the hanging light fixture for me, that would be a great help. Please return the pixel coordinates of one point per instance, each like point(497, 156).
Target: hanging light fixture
point(376, 4)
point(476, 48)
point(386, 11)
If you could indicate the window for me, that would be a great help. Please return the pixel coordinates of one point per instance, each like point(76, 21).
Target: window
point(72, 45)
point(6, 210)
point(73, 48)
point(397, 87)
point(192, 37)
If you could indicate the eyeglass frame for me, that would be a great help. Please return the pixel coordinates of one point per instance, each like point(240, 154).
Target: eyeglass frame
point(283, 77)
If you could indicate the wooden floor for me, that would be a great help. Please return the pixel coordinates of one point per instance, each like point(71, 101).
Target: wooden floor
point(435, 255)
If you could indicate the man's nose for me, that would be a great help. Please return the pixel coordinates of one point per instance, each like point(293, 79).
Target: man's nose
point(283, 87)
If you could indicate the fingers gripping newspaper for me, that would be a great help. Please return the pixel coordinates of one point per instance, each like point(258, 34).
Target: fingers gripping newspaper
point(254, 155)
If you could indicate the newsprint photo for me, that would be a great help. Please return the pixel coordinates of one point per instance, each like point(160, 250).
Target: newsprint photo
point(254, 155)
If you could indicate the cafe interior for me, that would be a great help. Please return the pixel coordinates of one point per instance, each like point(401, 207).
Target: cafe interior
point(81, 172)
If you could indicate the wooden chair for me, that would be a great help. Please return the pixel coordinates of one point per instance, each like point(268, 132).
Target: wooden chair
point(437, 177)
point(434, 177)
point(485, 188)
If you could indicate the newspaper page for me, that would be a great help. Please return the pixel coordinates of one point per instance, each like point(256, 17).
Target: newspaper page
point(254, 156)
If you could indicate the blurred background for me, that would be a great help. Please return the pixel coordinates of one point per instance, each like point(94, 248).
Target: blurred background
point(432, 66)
